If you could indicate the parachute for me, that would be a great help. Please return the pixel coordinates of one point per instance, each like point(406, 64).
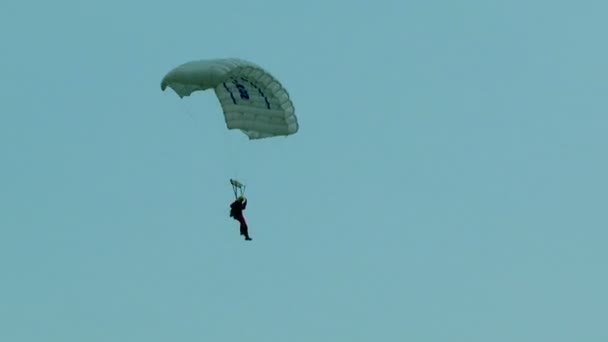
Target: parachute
point(252, 100)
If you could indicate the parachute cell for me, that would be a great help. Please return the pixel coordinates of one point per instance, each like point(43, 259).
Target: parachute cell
point(252, 100)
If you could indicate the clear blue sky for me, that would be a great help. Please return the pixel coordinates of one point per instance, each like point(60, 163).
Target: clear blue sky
point(448, 182)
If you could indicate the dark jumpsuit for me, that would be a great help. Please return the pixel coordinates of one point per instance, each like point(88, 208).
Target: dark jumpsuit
point(236, 212)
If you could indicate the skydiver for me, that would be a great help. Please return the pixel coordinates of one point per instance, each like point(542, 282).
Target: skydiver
point(236, 212)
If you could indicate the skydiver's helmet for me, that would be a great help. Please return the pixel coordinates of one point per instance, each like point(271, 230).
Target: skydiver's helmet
point(241, 198)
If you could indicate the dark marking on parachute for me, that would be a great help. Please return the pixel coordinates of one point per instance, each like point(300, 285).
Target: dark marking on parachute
point(265, 98)
point(242, 90)
point(229, 92)
point(259, 90)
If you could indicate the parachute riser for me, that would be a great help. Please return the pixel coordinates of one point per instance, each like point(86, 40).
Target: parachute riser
point(238, 188)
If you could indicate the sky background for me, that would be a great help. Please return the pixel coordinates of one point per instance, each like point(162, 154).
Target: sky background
point(448, 182)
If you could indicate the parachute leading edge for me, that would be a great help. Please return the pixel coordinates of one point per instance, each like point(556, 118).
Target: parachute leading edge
point(252, 100)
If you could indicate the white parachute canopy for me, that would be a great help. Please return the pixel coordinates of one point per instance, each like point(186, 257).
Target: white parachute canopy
point(252, 100)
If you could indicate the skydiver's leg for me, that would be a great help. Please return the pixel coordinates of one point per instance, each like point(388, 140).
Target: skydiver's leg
point(244, 228)
point(244, 231)
point(241, 222)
